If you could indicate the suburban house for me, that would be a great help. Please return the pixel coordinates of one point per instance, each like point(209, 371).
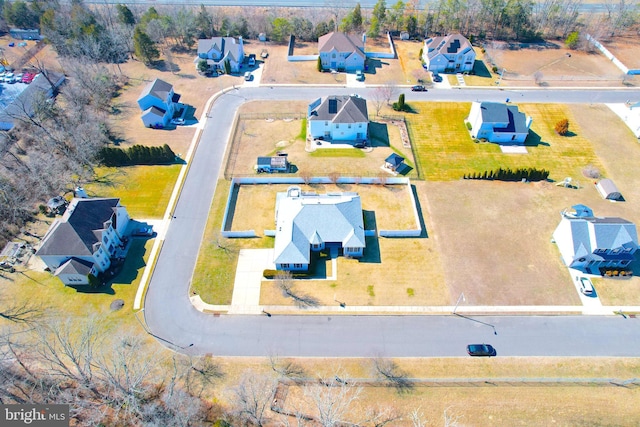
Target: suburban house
point(339, 51)
point(498, 122)
point(593, 244)
point(84, 240)
point(159, 104)
point(452, 53)
point(336, 118)
point(307, 222)
point(218, 50)
point(272, 164)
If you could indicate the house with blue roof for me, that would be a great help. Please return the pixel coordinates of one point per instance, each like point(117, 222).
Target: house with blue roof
point(311, 222)
point(595, 244)
point(498, 122)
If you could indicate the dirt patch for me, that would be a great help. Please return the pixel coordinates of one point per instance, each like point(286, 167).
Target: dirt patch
point(558, 66)
point(626, 48)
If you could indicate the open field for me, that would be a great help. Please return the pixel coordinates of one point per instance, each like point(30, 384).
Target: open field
point(558, 66)
point(625, 48)
point(491, 404)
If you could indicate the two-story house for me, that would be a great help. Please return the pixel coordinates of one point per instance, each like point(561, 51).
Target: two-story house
point(218, 50)
point(343, 52)
point(310, 222)
point(338, 118)
point(159, 103)
point(498, 122)
point(84, 240)
point(448, 54)
point(594, 244)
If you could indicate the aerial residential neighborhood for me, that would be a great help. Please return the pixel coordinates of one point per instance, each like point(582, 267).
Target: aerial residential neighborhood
point(365, 214)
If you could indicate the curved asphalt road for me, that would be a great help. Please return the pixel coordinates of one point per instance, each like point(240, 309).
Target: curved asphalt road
point(172, 319)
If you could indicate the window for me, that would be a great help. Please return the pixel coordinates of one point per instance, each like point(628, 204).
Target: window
point(336, 126)
point(326, 123)
point(349, 125)
point(284, 265)
point(359, 125)
point(316, 246)
point(334, 55)
point(297, 266)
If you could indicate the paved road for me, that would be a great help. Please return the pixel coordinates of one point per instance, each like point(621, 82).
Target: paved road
point(170, 316)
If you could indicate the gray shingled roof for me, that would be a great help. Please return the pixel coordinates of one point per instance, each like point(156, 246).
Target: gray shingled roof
point(497, 112)
point(451, 44)
point(312, 218)
point(158, 89)
point(74, 266)
point(226, 45)
point(347, 109)
point(341, 42)
point(80, 228)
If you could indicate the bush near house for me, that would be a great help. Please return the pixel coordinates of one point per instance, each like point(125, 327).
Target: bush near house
point(530, 174)
point(136, 155)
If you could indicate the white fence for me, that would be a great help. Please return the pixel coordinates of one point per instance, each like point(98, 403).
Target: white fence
point(384, 55)
point(226, 221)
point(610, 55)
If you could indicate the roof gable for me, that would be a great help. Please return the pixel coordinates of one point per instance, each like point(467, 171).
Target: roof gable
point(340, 42)
point(157, 89)
point(340, 109)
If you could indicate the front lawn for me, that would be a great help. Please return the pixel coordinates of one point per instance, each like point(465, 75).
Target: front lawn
point(445, 150)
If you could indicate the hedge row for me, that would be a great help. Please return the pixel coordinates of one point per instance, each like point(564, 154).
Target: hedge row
point(136, 155)
point(530, 174)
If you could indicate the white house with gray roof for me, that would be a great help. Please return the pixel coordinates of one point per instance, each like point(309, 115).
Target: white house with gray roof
point(159, 103)
point(339, 51)
point(84, 239)
point(338, 118)
point(217, 50)
point(592, 244)
point(498, 122)
point(452, 53)
point(307, 222)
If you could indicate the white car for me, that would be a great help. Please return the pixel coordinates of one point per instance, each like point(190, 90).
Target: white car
point(9, 78)
point(586, 287)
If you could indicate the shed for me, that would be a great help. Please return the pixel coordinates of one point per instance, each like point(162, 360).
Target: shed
point(24, 33)
point(608, 190)
point(394, 161)
point(272, 164)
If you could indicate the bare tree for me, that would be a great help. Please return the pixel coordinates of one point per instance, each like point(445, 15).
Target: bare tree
point(538, 76)
point(332, 399)
point(450, 419)
point(389, 91)
point(252, 398)
point(389, 371)
point(334, 177)
point(417, 418)
point(380, 416)
point(286, 367)
point(382, 178)
point(284, 281)
point(377, 98)
point(306, 176)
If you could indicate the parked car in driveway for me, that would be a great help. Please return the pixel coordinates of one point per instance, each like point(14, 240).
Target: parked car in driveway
point(248, 76)
point(252, 60)
point(144, 231)
point(9, 78)
point(437, 78)
point(418, 88)
point(359, 75)
point(485, 350)
point(586, 287)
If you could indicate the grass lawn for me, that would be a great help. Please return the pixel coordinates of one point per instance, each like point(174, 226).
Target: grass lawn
point(143, 190)
point(446, 151)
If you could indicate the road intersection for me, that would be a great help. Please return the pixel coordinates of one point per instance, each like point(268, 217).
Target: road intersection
point(171, 316)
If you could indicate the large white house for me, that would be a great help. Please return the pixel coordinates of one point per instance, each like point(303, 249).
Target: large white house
point(498, 122)
point(84, 240)
point(448, 54)
point(159, 103)
point(218, 50)
point(338, 118)
point(307, 222)
point(339, 51)
point(593, 244)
